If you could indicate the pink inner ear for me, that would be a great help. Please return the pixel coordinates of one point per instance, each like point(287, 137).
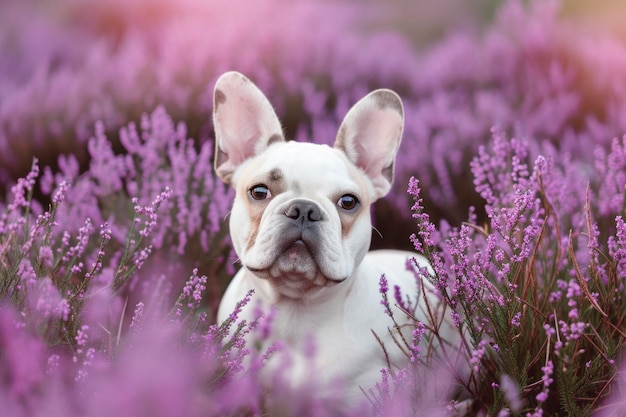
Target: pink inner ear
point(245, 122)
point(370, 136)
point(379, 169)
point(375, 138)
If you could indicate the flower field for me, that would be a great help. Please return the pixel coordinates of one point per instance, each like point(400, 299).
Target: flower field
point(114, 246)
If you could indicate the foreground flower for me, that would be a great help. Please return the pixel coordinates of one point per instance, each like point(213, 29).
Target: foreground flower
point(539, 295)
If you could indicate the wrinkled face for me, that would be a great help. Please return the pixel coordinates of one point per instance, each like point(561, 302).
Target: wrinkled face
point(301, 216)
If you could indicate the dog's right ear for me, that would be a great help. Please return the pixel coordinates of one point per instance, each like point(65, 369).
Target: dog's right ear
point(245, 123)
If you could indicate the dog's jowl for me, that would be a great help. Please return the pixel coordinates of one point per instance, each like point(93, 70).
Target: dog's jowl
point(301, 227)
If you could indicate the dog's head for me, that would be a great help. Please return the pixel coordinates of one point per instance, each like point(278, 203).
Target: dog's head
point(301, 216)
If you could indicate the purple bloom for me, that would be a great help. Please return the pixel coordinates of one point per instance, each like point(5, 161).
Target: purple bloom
point(415, 348)
point(192, 291)
point(617, 246)
point(611, 169)
point(515, 321)
point(383, 289)
point(46, 256)
point(137, 315)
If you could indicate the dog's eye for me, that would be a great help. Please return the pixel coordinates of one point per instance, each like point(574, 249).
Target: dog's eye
point(260, 192)
point(348, 202)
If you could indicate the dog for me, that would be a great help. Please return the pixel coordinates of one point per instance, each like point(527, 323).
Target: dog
point(301, 227)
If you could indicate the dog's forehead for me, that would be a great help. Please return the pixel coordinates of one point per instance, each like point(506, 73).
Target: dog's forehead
point(304, 157)
point(307, 164)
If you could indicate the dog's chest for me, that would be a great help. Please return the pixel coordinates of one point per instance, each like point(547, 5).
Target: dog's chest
point(320, 326)
point(327, 343)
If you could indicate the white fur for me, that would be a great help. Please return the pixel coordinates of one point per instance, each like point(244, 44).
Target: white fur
point(322, 284)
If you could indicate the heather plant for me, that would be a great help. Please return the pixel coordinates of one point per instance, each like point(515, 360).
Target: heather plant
point(538, 297)
point(163, 364)
point(157, 199)
point(81, 310)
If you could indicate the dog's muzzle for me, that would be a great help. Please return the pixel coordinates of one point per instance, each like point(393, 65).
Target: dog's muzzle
point(298, 261)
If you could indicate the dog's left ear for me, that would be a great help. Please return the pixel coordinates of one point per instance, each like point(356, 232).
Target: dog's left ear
point(370, 136)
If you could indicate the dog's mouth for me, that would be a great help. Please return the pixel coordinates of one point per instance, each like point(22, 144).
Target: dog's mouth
point(296, 250)
point(296, 269)
point(296, 258)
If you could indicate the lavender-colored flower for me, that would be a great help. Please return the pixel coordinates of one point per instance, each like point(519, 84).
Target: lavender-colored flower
point(46, 300)
point(383, 289)
point(137, 315)
point(192, 291)
point(515, 321)
point(617, 246)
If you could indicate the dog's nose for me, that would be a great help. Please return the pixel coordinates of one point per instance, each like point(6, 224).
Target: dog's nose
point(304, 211)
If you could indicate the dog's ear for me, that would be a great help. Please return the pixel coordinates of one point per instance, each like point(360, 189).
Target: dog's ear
point(370, 136)
point(244, 120)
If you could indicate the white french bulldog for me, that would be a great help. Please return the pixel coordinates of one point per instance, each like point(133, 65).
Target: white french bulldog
point(301, 227)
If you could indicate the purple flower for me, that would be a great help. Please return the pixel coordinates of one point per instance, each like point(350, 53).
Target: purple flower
point(137, 315)
point(415, 348)
point(192, 291)
point(515, 321)
point(617, 246)
point(383, 289)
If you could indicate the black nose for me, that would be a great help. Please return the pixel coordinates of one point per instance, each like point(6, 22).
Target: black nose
point(304, 211)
